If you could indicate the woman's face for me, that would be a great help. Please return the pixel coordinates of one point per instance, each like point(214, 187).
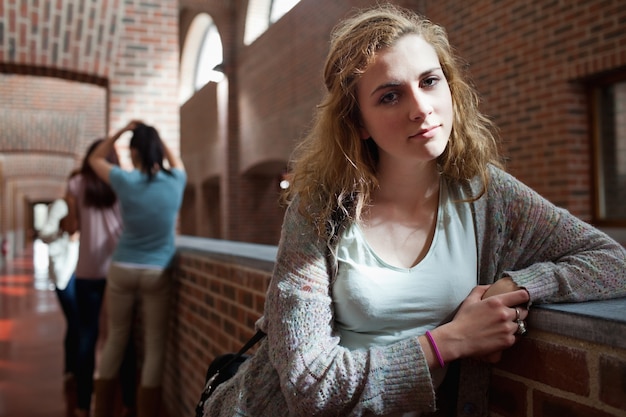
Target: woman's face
point(405, 103)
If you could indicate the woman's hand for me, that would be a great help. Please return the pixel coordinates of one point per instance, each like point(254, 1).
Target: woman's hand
point(485, 324)
point(501, 286)
point(129, 127)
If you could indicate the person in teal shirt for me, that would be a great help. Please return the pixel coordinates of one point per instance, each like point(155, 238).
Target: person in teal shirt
point(150, 196)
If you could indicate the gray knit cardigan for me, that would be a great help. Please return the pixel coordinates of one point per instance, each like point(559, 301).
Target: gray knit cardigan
point(300, 369)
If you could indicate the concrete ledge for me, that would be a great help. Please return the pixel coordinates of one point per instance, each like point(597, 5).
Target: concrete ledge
point(593, 321)
point(252, 255)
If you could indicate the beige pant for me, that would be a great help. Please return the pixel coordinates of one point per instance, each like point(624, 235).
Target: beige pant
point(125, 286)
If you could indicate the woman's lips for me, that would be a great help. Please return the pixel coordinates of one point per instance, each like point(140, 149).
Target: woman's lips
point(427, 133)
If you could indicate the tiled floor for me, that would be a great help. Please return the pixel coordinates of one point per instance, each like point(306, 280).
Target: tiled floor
point(31, 336)
point(32, 328)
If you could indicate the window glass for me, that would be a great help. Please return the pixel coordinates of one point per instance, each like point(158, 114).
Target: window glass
point(261, 14)
point(201, 53)
point(610, 150)
point(280, 7)
point(210, 56)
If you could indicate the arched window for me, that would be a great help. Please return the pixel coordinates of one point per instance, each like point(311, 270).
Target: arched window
point(262, 13)
point(211, 54)
point(279, 7)
point(202, 53)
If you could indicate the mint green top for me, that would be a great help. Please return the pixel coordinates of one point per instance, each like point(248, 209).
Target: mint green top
point(377, 303)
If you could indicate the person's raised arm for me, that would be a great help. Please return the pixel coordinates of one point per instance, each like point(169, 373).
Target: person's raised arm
point(172, 159)
point(98, 158)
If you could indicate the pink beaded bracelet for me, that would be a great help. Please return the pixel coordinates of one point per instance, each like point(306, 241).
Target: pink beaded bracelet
point(434, 345)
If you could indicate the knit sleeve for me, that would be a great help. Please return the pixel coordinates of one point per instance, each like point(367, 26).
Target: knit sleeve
point(317, 375)
point(553, 254)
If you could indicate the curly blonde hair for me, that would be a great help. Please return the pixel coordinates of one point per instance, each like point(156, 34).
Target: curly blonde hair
point(333, 170)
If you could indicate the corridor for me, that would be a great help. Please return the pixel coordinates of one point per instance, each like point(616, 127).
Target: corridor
point(31, 335)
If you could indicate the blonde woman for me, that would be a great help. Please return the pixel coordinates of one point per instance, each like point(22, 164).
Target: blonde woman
point(406, 251)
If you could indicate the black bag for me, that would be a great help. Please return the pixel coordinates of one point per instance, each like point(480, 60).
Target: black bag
point(224, 367)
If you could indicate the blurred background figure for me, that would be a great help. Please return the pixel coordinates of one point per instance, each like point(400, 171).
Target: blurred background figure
point(150, 196)
point(94, 211)
point(62, 258)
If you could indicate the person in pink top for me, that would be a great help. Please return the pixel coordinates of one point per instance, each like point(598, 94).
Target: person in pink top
point(93, 209)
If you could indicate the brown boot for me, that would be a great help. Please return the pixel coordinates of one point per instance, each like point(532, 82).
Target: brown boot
point(69, 392)
point(148, 402)
point(128, 412)
point(105, 397)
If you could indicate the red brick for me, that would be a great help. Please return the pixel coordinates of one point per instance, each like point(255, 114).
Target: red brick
point(556, 365)
point(546, 405)
point(613, 381)
point(507, 397)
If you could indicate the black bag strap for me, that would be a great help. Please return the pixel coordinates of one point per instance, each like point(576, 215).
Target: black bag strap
point(209, 381)
point(253, 341)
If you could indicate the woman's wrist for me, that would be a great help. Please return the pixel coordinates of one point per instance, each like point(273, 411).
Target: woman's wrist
point(435, 348)
point(501, 286)
point(129, 127)
point(438, 348)
point(118, 134)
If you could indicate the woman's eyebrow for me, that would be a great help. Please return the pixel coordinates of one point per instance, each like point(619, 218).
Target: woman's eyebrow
point(397, 83)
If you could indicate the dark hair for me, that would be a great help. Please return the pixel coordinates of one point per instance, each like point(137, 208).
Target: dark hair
point(97, 193)
point(147, 142)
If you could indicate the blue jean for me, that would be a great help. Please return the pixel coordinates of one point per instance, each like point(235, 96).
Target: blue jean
point(67, 300)
point(89, 295)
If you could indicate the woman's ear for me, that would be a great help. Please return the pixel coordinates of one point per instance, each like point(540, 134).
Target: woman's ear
point(364, 133)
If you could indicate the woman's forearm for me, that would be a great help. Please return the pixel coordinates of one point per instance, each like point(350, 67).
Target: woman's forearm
point(98, 160)
point(172, 159)
point(104, 147)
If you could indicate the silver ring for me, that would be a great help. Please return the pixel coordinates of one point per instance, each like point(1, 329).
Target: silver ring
point(516, 314)
point(521, 328)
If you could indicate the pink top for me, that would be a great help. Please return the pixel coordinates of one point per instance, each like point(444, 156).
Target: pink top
point(100, 230)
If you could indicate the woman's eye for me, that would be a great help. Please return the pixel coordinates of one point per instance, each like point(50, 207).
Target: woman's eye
point(390, 97)
point(430, 81)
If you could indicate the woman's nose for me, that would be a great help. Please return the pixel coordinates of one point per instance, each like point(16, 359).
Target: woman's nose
point(421, 104)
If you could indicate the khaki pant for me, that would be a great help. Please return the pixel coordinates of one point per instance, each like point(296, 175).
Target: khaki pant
point(125, 285)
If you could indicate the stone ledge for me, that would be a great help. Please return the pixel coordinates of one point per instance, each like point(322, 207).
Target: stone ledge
point(251, 255)
point(601, 322)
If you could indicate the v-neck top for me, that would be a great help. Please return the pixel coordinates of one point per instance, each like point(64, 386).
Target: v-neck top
point(378, 304)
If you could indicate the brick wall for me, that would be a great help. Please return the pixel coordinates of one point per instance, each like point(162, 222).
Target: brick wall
point(528, 60)
point(144, 68)
point(216, 304)
point(47, 125)
point(546, 374)
point(127, 50)
point(39, 108)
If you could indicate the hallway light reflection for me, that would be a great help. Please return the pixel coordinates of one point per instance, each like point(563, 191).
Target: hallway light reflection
point(40, 266)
